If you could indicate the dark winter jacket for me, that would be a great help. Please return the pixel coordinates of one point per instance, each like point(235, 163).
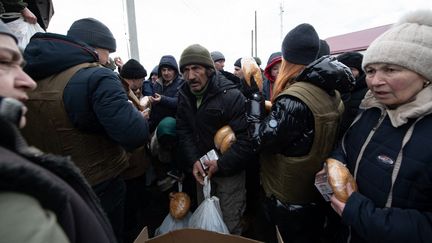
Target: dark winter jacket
point(222, 104)
point(55, 183)
point(167, 106)
point(352, 105)
point(147, 88)
point(394, 201)
point(94, 98)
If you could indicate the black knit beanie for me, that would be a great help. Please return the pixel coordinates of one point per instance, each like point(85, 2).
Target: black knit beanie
point(132, 69)
point(301, 45)
point(352, 59)
point(196, 54)
point(93, 33)
point(238, 63)
point(324, 49)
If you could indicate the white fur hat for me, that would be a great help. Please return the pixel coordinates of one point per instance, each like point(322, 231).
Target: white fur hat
point(407, 43)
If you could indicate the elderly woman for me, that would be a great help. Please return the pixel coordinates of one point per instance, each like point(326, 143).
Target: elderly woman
point(387, 148)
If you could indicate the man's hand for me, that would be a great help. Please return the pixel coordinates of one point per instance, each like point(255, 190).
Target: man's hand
point(212, 167)
point(198, 172)
point(118, 62)
point(155, 98)
point(337, 205)
point(29, 16)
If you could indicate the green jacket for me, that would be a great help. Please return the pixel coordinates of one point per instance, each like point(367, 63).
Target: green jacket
point(18, 215)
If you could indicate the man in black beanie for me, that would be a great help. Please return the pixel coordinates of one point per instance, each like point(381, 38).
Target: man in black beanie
point(207, 102)
point(134, 74)
point(353, 60)
point(81, 110)
point(237, 68)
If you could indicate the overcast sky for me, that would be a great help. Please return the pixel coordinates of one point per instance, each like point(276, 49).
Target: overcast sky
point(169, 26)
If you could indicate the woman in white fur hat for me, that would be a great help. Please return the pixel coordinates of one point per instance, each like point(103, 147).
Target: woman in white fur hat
point(387, 148)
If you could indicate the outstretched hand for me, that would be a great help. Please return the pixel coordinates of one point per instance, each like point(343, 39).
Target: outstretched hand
point(29, 16)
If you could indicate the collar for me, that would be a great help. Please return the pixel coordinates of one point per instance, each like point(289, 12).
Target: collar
point(420, 106)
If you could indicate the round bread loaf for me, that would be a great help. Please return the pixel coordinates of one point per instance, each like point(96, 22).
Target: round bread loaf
point(338, 178)
point(221, 134)
point(179, 204)
point(250, 69)
point(227, 142)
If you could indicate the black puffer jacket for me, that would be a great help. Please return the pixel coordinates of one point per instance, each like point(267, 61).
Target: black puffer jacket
point(289, 128)
point(222, 104)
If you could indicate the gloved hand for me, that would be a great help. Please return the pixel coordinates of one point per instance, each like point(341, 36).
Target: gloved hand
point(249, 90)
point(255, 108)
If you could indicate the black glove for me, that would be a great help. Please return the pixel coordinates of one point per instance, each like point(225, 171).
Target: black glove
point(249, 91)
point(255, 108)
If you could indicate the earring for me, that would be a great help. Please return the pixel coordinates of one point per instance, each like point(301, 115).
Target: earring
point(426, 84)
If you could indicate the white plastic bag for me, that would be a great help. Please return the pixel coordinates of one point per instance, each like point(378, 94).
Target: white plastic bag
point(24, 31)
point(208, 215)
point(170, 224)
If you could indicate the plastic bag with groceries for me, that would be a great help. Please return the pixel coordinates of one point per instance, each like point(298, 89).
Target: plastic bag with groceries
point(208, 215)
point(179, 215)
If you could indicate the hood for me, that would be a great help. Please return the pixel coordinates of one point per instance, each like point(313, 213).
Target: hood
point(169, 61)
point(49, 53)
point(273, 60)
point(328, 74)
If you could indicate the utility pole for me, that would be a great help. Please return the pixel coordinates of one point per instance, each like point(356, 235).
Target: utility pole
point(256, 35)
point(252, 42)
point(133, 37)
point(281, 12)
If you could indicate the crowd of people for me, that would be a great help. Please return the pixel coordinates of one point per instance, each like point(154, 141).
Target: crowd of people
point(90, 148)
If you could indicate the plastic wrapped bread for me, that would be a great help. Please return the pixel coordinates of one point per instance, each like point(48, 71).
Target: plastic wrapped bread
point(338, 178)
point(179, 204)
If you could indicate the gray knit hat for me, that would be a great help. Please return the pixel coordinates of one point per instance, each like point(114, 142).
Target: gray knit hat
point(217, 55)
point(93, 33)
point(4, 29)
point(407, 43)
point(196, 54)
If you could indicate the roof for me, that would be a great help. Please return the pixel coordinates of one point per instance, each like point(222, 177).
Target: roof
point(355, 41)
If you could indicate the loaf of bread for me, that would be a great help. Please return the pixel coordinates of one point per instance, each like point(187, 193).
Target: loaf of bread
point(223, 138)
point(268, 105)
point(250, 69)
point(338, 178)
point(179, 204)
point(227, 142)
